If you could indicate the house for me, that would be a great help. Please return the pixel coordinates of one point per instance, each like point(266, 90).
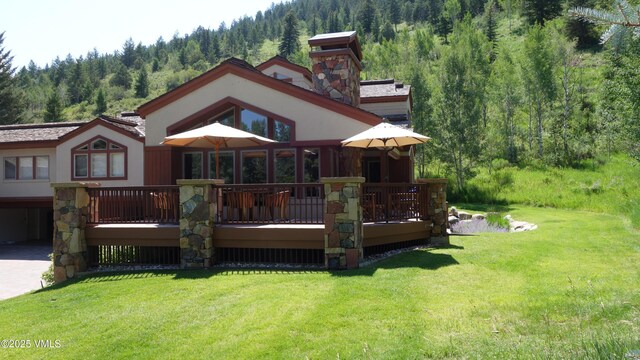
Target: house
point(299, 199)
point(108, 150)
point(307, 112)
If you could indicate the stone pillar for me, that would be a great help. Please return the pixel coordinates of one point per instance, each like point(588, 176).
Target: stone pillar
point(198, 206)
point(438, 210)
point(70, 211)
point(343, 230)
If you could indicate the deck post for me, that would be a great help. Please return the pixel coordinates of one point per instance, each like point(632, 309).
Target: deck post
point(198, 207)
point(438, 211)
point(70, 211)
point(343, 225)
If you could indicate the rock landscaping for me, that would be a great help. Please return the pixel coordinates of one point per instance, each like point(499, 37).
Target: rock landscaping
point(461, 222)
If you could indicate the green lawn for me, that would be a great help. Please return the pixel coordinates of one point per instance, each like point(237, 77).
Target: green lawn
point(567, 290)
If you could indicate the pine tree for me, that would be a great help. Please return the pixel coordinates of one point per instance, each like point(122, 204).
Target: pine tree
point(394, 13)
point(53, 112)
point(101, 103)
point(128, 53)
point(121, 78)
point(11, 104)
point(490, 11)
point(142, 84)
point(289, 43)
point(387, 31)
point(538, 11)
point(623, 18)
point(575, 28)
point(366, 16)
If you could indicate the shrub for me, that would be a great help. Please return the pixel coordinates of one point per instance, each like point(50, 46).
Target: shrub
point(47, 276)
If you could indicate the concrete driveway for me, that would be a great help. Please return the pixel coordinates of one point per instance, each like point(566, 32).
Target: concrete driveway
point(21, 267)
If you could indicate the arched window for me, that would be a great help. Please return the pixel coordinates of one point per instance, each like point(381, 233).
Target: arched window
point(99, 158)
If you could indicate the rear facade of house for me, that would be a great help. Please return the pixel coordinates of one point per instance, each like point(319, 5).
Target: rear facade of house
point(307, 111)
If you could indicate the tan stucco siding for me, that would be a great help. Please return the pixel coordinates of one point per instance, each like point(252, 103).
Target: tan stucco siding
point(28, 188)
point(135, 156)
point(313, 122)
point(387, 108)
point(297, 78)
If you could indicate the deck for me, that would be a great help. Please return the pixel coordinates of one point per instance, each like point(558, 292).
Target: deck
point(253, 223)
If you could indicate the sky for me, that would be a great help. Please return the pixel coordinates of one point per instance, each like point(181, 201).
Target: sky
point(41, 30)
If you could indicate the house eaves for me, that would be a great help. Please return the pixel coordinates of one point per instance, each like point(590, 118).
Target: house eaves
point(245, 70)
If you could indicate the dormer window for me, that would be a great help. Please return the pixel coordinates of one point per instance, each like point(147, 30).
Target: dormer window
point(101, 159)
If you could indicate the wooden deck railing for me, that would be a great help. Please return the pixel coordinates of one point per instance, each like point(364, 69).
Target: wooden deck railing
point(142, 204)
point(271, 204)
point(256, 203)
point(384, 202)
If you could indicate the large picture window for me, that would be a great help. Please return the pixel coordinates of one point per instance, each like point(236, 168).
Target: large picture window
point(254, 167)
point(99, 159)
point(311, 165)
point(253, 122)
point(281, 132)
point(226, 166)
point(26, 168)
point(285, 165)
point(227, 118)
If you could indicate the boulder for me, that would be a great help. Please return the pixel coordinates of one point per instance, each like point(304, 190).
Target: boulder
point(462, 215)
point(478, 217)
point(453, 211)
point(453, 220)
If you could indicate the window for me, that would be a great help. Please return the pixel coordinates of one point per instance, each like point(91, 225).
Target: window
point(99, 159)
point(285, 166)
point(192, 165)
point(226, 159)
point(253, 122)
point(281, 131)
point(311, 165)
point(81, 165)
point(117, 164)
point(26, 168)
point(10, 168)
point(254, 167)
point(228, 118)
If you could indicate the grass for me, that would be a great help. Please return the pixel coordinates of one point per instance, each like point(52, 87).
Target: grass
point(610, 188)
point(566, 290)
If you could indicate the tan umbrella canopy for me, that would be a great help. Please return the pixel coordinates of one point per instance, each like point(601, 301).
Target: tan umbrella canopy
point(216, 136)
point(385, 135)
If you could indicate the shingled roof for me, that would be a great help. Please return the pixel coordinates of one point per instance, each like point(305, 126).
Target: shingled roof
point(44, 132)
point(383, 88)
point(36, 132)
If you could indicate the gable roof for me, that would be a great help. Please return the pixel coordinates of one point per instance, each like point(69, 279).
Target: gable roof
point(245, 70)
point(282, 61)
point(131, 126)
point(50, 134)
point(36, 135)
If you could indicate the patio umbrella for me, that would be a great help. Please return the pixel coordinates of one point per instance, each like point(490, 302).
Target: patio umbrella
point(385, 136)
point(216, 136)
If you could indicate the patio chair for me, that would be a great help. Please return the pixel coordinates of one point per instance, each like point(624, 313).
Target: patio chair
point(242, 201)
point(278, 200)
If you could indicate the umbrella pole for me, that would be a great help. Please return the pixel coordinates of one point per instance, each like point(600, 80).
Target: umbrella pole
point(217, 161)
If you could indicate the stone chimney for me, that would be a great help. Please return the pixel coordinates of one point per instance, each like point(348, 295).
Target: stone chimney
point(336, 60)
